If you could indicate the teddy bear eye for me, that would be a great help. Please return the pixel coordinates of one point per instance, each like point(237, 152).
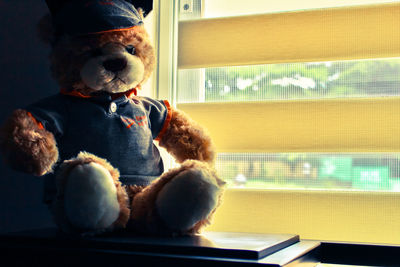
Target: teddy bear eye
point(130, 49)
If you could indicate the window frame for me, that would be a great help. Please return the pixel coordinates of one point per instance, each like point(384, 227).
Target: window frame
point(313, 214)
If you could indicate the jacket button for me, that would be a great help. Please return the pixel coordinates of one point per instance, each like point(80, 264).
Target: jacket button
point(113, 107)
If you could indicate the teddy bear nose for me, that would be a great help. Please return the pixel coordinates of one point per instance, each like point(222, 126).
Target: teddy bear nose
point(115, 65)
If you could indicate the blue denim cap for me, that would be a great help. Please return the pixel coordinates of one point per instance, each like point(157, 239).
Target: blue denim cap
point(79, 17)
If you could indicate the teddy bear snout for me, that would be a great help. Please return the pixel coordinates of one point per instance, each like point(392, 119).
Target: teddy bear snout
point(115, 65)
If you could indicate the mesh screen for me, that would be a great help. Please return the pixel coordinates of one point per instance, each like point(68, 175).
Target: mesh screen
point(356, 78)
point(371, 172)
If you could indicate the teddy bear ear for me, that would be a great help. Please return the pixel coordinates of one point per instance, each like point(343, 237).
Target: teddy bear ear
point(45, 29)
point(145, 5)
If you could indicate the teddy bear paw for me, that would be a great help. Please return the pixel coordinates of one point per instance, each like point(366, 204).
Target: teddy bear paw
point(90, 197)
point(187, 199)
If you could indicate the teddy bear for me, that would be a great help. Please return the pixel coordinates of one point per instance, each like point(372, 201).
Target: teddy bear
point(93, 141)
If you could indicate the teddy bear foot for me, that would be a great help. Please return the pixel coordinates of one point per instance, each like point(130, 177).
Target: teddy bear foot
point(188, 199)
point(91, 195)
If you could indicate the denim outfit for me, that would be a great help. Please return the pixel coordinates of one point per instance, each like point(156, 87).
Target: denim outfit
point(120, 130)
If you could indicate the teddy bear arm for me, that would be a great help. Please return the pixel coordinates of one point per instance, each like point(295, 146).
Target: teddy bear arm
point(186, 139)
point(26, 145)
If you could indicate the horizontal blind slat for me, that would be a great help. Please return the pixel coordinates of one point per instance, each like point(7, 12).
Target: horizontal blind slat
point(371, 217)
point(303, 36)
point(330, 125)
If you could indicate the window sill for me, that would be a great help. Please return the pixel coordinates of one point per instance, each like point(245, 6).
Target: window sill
point(44, 247)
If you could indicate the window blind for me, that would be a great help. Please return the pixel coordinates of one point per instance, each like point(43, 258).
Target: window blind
point(370, 31)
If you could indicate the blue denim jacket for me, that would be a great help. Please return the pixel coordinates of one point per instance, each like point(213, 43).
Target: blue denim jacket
point(120, 130)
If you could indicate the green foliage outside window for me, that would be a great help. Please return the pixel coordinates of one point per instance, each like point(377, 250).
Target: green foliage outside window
point(303, 80)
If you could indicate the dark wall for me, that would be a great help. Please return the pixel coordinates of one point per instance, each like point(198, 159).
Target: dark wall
point(24, 78)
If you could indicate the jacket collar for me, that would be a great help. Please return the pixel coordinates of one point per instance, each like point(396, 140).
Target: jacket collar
point(128, 94)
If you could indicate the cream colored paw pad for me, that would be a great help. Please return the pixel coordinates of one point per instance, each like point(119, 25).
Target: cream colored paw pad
point(90, 197)
point(187, 199)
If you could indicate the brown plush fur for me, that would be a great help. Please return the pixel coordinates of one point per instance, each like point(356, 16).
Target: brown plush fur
point(144, 217)
point(186, 139)
point(26, 146)
point(65, 169)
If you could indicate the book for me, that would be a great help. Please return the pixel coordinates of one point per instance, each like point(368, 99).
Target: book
point(249, 246)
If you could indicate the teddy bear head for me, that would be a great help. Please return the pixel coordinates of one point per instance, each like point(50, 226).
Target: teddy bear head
point(97, 45)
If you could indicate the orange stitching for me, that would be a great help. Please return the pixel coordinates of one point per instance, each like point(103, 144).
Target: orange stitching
point(116, 30)
point(129, 94)
point(167, 121)
point(73, 93)
point(128, 122)
point(39, 124)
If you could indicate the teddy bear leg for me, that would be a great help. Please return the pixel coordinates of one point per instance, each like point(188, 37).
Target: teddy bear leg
point(90, 198)
point(181, 201)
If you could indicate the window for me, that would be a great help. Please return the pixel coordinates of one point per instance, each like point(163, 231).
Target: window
point(293, 81)
point(302, 101)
